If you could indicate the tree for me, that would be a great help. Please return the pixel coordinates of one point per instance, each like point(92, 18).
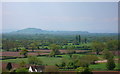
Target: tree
point(98, 47)
point(107, 54)
point(78, 39)
point(24, 52)
point(110, 60)
point(55, 49)
point(85, 41)
point(8, 44)
point(9, 66)
point(112, 45)
point(70, 50)
point(52, 53)
point(85, 61)
point(34, 60)
point(110, 64)
point(32, 46)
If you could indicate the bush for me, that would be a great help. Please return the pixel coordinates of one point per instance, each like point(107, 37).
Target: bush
point(84, 61)
point(83, 70)
point(110, 64)
point(21, 70)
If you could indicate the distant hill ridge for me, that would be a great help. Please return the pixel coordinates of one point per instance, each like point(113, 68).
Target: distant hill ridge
point(30, 30)
point(40, 31)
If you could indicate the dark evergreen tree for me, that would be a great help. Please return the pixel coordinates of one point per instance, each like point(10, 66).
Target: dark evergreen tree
point(79, 39)
point(85, 40)
point(9, 66)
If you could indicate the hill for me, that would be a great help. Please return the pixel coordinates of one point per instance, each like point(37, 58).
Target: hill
point(40, 31)
point(28, 31)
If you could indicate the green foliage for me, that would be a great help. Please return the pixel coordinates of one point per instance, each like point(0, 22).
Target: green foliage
point(24, 52)
point(110, 64)
point(21, 70)
point(107, 54)
point(52, 53)
point(34, 60)
point(76, 61)
point(55, 49)
point(9, 66)
point(66, 63)
point(110, 60)
point(78, 39)
point(51, 69)
point(63, 64)
point(86, 60)
point(54, 46)
point(75, 57)
point(80, 69)
point(33, 46)
point(90, 58)
point(97, 47)
point(84, 70)
point(112, 45)
point(87, 71)
point(70, 50)
point(8, 44)
point(83, 63)
point(22, 63)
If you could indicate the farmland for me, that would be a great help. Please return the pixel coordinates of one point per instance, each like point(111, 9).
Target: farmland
point(66, 52)
point(57, 60)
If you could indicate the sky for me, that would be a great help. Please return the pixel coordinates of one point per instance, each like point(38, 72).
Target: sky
point(94, 17)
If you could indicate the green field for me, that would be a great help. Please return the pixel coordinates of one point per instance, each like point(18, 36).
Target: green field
point(101, 67)
point(45, 60)
point(58, 59)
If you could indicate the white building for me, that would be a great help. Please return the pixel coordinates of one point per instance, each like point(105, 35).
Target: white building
point(36, 68)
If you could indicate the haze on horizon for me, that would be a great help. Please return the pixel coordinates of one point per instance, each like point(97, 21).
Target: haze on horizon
point(94, 17)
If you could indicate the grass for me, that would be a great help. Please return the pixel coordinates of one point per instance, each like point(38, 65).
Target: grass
point(57, 60)
point(101, 67)
point(45, 60)
point(50, 60)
